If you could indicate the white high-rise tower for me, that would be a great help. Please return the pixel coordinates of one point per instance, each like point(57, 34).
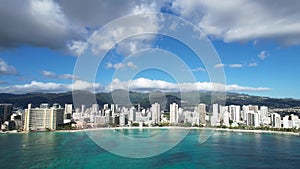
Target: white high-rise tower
point(155, 109)
point(174, 113)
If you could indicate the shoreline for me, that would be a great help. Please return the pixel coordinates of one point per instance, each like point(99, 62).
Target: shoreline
point(190, 128)
point(168, 127)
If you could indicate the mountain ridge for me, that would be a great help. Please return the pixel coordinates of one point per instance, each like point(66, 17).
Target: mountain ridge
point(22, 100)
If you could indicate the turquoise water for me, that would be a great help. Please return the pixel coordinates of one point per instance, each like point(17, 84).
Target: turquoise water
point(221, 150)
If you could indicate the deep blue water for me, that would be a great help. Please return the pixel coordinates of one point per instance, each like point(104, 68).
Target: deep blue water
point(221, 150)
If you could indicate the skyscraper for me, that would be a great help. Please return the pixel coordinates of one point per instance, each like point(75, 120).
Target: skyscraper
point(95, 108)
point(132, 114)
point(174, 113)
point(155, 109)
point(82, 108)
point(68, 108)
point(235, 112)
point(215, 116)
point(263, 114)
point(275, 120)
point(43, 118)
point(202, 113)
point(5, 112)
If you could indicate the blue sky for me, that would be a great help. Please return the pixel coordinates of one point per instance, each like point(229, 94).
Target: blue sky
point(257, 43)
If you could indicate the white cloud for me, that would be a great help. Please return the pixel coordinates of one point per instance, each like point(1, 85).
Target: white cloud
point(263, 54)
point(129, 64)
point(50, 87)
point(34, 86)
point(76, 47)
point(143, 84)
point(235, 65)
point(67, 24)
point(199, 69)
point(253, 64)
point(49, 74)
point(119, 66)
point(34, 22)
point(83, 85)
point(110, 37)
point(220, 65)
point(68, 76)
point(6, 69)
point(109, 65)
point(242, 20)
point(61, 24)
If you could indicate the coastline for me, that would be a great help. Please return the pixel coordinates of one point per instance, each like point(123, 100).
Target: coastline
point(169, 127)
point(190, 128)
point(257, 131)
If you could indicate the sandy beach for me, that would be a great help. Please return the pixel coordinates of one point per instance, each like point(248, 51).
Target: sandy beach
point(188, 128)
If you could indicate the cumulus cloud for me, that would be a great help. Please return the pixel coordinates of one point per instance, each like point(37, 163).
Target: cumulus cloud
point(140, 85)
point(263, 54)
point(127, 36)
point(34, 22)
point(76, 47)
point(129, 64)
point(199, 69)
point(6, 69)
point(235, 65)
point(50, 87)
point(253, 64)
point(84, 85)
point(119, 66)
point(242, 20)
point(49, 74)
point(62, 25)
point(66, 25)
point(220, 65)
point(143, 84)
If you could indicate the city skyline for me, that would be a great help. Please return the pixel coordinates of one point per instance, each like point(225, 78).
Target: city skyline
point(258, 52)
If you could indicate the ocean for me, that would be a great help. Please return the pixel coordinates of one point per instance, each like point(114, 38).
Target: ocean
point(222, 149)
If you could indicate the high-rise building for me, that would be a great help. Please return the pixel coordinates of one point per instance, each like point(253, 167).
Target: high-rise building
point(155, 109)
point(105, 106)
point(253, 108)
point(275, 120)
point(122, 120)
point(250, 118)
point(235, 112)
point(263, 114)
point(5, 112)
point(226, 119)
point(286, 122)
point(95, 108)
point(174, 113)
point(114, 108)
point(245, 110)
point(44, 106)
point(132, 114)
point(43, 118)
point(215, 116)
point(68, 108)
point(202, 113)
point(224, 115)
point(82, 108)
